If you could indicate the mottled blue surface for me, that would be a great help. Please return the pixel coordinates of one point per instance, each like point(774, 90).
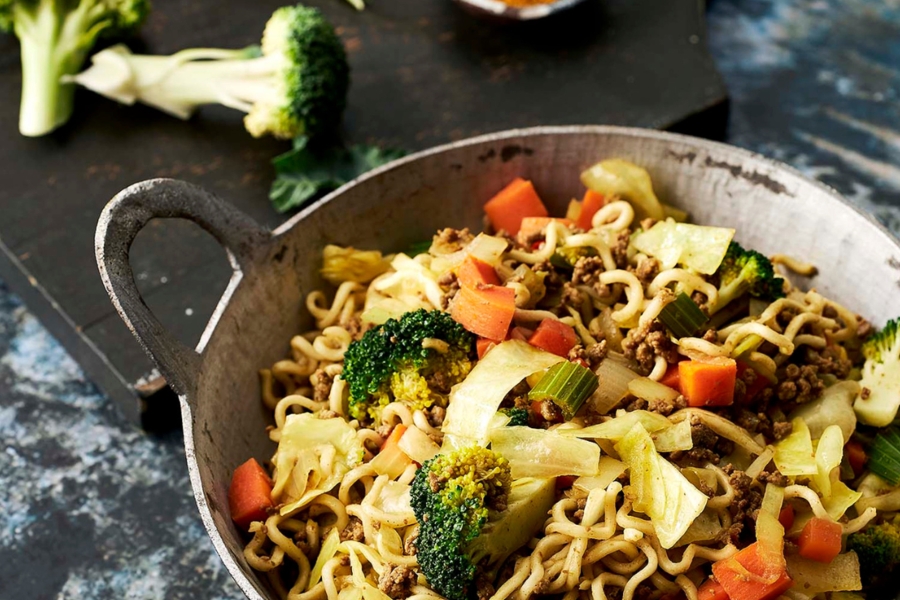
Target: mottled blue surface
point(91, 507)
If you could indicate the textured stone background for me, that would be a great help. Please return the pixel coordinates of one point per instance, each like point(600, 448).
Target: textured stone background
point(93, 508)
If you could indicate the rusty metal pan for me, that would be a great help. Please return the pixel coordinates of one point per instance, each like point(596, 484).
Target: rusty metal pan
point(500, 11)
point(773, 207)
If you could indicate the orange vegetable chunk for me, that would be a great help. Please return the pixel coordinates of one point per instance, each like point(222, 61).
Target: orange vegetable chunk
point(672, 378)
point(591, 203)
point(555, 337)
point(786, 517)
point(250, 494)
point(483, 346)
point(820, 540)
point(711, 590)
point(473, 271)
point(485, 310)
point(743, 576)
point(512, 204)
point(396, 433)
point(708, 383)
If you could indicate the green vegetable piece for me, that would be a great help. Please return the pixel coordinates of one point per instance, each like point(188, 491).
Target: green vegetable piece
point(309, 170)
point(296, 86)
point(746, 271)
point(682, 316)
point(419, 248)
point(567, 385)
point(55, 37)
point(884, 458)
point(878, 549)
point(881, 377)
point(565, 258)
point(390, 362)
point(518, 417)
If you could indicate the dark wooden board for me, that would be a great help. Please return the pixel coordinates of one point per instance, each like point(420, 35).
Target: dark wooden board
point(424, 73)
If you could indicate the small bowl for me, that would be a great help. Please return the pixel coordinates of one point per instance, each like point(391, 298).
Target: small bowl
point(501, 11)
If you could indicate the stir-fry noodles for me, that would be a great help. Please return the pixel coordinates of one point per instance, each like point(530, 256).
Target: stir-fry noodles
point(611, 404)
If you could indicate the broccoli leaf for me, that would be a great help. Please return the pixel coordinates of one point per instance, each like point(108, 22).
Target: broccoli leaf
point(306, 172)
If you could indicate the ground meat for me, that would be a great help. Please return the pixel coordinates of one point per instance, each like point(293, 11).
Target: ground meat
point(593, 355)
point(397, 581)
point(484, 587)
point(647, 269)
point(746, 503)
point(587, 272)
point(863, 328)
point(327, 414)
point(571, 296)
point(552, 279)
point(864, 393)
point(702, 436)
point(450, 285)
point(645, 343)
point(512, 398)
point(708, 447)
point(702, 301)
point(580, 503)
point(619, 248)
point(781, 430)
point(647, 223)
point(829, 360)
point(436, 415)
point(353, 531)
point(712, 336)
point(322, 388)
point(451, 240)
point(666, 408)
point(355, 327)
point(799, 384)
point(550, 412)
point(409, 544)
point(384, 430)
point(440, 382)
point(775, 478)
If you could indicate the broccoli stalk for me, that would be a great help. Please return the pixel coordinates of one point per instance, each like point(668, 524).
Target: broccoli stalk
point(295, 84)
point(878, 549)
point(471, 516)
point(55, 37)
point(415, 359)
point(746, 271)
point(879, 397)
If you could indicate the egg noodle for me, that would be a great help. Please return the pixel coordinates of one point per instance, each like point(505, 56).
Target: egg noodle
point(340, 527)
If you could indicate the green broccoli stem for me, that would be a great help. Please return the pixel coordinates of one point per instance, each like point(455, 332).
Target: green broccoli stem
point(181, 83)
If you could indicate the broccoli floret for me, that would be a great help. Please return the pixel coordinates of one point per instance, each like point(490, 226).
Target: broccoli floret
point(296, 87)
point(415, 359)
point(55, 37)
point(879, 397)
point(471, 517)
point(878, 548)
point(518, 417)
point(746, 271)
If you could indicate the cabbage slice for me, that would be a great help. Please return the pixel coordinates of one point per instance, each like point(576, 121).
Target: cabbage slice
point(474, 402)
point(341, 264)
point(700, 248)
point(543, 453)
point(617, 177)
point(794, 454)
point(660, 490)
point(619, 426)
point(329, 549)
point(308, 445)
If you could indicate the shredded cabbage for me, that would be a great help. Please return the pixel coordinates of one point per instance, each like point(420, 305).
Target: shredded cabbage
point(329, 549)
point(813, 577)
point(705, 528)
point(617, 177)
point(697, 247)
point(349, 264)
point(660, 490)
point(607, 472)
point(619, 426)
point(474, 402)
point(416, 444)
point(834, 407)
point(309, 444)
point(487, 248)
point(674, 438)
point(614, 378)
point(410, 286)
point(543, 453)
point(794, 454)
point(829, 452)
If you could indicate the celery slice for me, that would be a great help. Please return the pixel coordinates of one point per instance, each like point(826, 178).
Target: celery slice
point(682, 316)
point(568, 385)
point(885, 458)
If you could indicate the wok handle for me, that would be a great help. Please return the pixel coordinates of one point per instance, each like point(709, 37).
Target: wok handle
point(125, 215)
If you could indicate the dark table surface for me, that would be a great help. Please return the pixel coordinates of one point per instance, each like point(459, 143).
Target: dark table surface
point(95, 508)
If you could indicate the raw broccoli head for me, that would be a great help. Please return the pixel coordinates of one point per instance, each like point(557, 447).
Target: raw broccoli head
point(55, 38)
point(414, 359)
point(747, 271)
point(880, 400)
point(452, 496)
point(294, 85)
point(878, 548)
point(311, 89)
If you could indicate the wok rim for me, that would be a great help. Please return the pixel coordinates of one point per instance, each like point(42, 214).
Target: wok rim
point(740, 156)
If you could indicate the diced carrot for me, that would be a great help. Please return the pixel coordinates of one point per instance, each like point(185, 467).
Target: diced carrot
point(786, 516)
point(758, 384)
point(396, 433)
point(672, 378)
point(473, 271)
point(512, 204)
point(564, 482)
point(519, 333)
point(250, 494)
point(708, 383)
point(820, 540)
point(485, 310)
point(591, 203)
point(743, 576)
point(711, 590)
point(555, 337)
point(483, 346)
point(533, 225)
point(856, 456)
